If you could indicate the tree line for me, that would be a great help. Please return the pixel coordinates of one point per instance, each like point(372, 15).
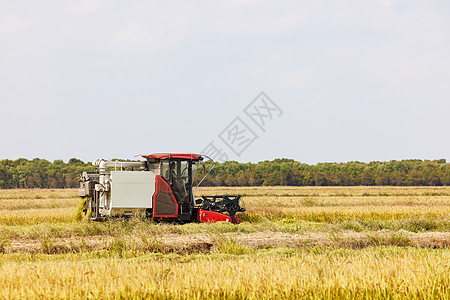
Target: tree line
point(288, 172)
point(40, 173)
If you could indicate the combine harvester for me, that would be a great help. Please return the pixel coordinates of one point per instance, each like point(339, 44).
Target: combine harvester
point(159, 188)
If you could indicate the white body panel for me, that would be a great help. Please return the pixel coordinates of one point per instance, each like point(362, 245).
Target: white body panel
point(132, 189)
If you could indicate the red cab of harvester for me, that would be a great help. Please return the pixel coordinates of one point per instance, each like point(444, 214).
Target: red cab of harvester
point(159, 187)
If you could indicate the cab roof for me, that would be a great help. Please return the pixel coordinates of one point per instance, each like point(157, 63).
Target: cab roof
point(187, 156)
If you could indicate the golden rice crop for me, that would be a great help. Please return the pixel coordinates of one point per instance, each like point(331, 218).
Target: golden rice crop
point(376, 273)
point(297, 242)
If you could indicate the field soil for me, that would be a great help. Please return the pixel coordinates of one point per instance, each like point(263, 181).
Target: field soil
point(204, 243)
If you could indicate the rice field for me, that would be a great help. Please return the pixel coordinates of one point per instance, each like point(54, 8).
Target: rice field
point(296, 242)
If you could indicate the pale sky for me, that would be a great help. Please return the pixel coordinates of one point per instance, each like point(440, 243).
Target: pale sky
point(354, 80)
